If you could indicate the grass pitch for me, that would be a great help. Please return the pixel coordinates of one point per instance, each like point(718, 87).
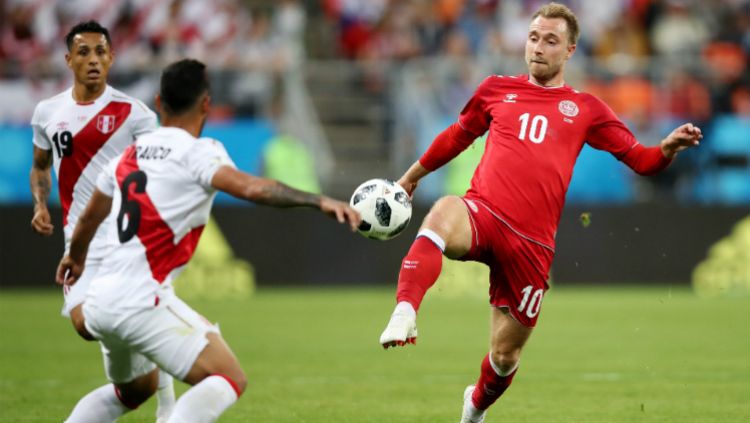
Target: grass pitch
point(598, 355)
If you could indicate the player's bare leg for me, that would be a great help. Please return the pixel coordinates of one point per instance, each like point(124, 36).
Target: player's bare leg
point(446, 230)
point(507, 339)
point(107, 403)
point(165, 388)
point(76, 317)
point(217, 379)
point(139, 389)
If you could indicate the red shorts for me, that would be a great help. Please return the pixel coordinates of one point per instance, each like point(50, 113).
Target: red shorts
point(519, 266)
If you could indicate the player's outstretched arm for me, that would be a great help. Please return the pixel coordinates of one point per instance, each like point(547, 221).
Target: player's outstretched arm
point(71, 266)
point(410, 179)
point(682, 138)
point(276, 194)
point(651, 160)
point(41, 181)
point(446, 146)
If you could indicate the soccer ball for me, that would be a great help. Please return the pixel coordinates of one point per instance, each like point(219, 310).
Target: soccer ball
point(385, 208)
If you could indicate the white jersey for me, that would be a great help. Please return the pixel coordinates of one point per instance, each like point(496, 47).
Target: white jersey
point(84, 137)
point(162, 197)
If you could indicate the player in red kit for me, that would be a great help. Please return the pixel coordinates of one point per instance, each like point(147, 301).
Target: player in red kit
point(508, 218)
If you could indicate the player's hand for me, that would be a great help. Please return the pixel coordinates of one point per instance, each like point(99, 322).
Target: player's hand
point(340, 211)
point(68, 271)
point(408, 186)
point(682, 138)
point(41, 223)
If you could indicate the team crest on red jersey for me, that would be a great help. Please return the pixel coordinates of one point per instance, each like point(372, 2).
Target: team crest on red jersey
point(568, 108)
point(105, 123)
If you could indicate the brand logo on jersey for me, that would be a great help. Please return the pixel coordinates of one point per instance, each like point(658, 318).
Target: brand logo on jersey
point(105, 123)
point(61, 126)
point(510, 98)
point(568, 108)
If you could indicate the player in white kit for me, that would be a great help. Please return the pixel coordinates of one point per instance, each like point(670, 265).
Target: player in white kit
point(160, 192)
point(80, 131)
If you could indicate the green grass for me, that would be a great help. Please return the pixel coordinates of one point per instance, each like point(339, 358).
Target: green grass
point(598, 355)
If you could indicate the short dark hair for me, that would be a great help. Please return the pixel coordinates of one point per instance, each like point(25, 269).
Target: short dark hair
point(88, 26)
point(182, 84)
point(557, 10)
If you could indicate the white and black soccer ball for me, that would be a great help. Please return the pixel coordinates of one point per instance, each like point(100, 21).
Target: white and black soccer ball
point(385, 208)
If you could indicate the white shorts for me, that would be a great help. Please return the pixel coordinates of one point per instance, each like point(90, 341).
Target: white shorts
point(76, 293)
point(170, 336)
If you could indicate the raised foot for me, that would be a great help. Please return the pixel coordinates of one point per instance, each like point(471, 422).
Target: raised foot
point(402, 328)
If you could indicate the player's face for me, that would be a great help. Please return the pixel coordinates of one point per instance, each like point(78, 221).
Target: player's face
point(547, 47)
point(90, 58)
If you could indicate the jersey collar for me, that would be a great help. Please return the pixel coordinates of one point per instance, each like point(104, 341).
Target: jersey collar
point(105, 94)
point(527, 79)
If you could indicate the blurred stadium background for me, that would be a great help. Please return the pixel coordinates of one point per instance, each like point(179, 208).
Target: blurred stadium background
point(324, 94)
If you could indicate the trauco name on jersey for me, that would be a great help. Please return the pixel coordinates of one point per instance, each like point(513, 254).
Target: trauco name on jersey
point(151, 152)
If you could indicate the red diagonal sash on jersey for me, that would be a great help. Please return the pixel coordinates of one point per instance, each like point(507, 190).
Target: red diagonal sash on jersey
point(86, 143)
point(162, 253)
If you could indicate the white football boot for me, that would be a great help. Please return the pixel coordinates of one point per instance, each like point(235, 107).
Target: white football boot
point(470, 413)
point(402, 328)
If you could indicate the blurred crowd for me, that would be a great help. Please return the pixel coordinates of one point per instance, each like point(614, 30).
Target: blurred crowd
point(256, 41)
point(685, 58)
point(150, 33)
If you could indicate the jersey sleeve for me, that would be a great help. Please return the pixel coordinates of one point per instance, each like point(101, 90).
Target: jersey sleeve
point(607, 132)
point(144, 119)
point(106, 182)
point(446, 146)
point(205, 158)
point(39, 137)
point(475, 117)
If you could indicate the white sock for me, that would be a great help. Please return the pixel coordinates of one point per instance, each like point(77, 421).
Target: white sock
point(98, 406)
point(164, 396)
point(434, 237)
point(204, 402)
point(501, 373)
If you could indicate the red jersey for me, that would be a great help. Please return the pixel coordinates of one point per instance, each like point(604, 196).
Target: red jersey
point(535, 136)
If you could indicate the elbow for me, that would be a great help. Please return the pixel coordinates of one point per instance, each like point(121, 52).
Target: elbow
point(650, 170)
point(258, 191)
point(251, 193)
point(90, 220)
point(646, 172)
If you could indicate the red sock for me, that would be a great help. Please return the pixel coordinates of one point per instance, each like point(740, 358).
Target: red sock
point(490, 385)
point(419, 271)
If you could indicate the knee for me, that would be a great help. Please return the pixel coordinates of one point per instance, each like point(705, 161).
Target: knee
point(135, 393)
point(240, 380)
point(441, 210)
point(236, 378)
point(76, 317)
point(505, 361)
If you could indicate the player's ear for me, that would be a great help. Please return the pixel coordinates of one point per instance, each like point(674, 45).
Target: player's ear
point(571, 50)
point(68, 58)
point(206, 104)
point(157, 102)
